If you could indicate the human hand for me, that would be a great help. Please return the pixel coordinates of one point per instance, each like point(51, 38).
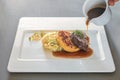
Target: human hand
point(112, 2)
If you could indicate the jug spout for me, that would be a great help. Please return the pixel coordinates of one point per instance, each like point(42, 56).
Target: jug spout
point(97, 17)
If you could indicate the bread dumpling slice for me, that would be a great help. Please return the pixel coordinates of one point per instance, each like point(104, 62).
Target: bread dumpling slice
point(65, 42)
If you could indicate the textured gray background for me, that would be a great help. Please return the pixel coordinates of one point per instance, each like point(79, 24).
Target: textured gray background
point(12, 10)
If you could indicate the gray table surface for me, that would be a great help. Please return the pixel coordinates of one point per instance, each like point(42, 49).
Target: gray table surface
point(12, 10)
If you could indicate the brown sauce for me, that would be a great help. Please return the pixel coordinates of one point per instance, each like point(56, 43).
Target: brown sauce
point(93, 13)
point(78, 54)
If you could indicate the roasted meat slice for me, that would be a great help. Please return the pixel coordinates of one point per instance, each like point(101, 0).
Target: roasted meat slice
point(80, 39)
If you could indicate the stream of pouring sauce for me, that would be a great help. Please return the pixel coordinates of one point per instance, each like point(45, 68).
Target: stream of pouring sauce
point(93, 13)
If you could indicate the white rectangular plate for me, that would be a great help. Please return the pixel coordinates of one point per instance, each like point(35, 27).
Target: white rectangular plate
point(29, 56)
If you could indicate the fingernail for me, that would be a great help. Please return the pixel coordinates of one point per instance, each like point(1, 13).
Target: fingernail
point(111, 3)
point(116, 0)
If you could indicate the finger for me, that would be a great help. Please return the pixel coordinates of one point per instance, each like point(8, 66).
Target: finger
point(116, 0)
point(111, 2)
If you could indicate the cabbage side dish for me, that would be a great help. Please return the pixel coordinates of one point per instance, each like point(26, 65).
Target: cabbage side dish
point(65, 44)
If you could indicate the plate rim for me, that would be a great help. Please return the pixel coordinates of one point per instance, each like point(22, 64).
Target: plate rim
point(20, 30)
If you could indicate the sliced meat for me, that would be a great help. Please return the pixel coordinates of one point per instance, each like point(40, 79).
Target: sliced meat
point(80, 42)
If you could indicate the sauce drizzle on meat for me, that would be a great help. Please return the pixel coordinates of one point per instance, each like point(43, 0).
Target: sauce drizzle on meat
point(65, 38)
